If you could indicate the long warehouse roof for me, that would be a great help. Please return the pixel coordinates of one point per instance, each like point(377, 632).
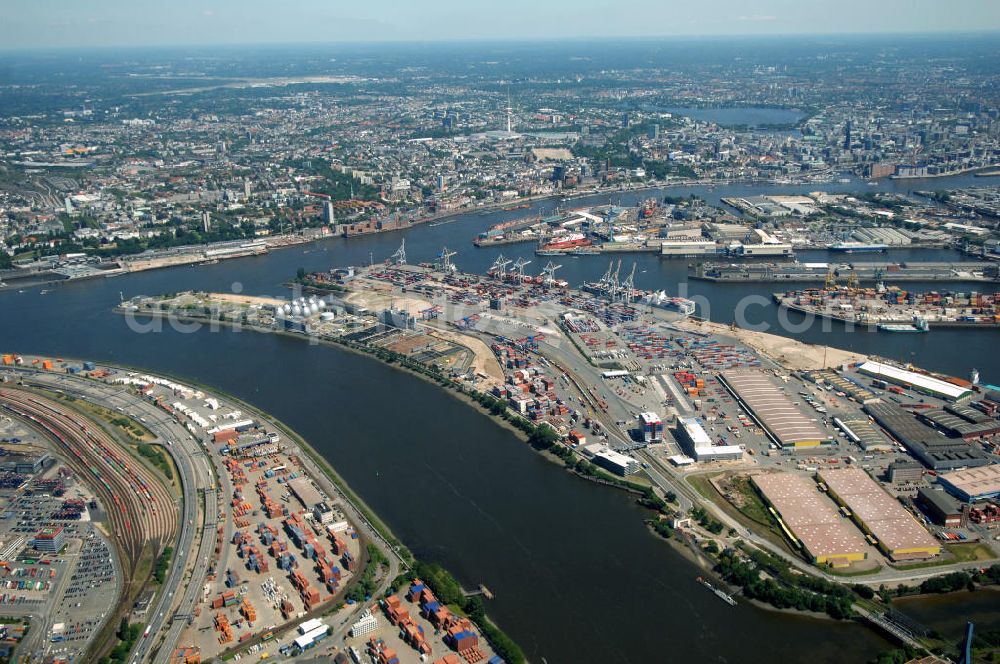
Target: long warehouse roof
point(811, 516)
point(918, 380)
point(773, 408)
point(882, 514)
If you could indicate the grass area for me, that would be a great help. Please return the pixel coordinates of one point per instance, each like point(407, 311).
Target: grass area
point(970, 552)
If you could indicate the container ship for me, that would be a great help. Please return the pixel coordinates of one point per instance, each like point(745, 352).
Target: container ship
point(918, 325)
point(858, 247)
point(661, 300)
point(564, 244)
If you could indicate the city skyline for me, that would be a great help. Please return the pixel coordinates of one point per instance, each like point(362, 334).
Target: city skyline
point(115, 23)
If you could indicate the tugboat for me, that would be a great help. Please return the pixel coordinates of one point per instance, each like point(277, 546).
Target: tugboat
point(725, 597)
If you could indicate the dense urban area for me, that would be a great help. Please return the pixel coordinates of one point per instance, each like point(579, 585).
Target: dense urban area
point(151, 518)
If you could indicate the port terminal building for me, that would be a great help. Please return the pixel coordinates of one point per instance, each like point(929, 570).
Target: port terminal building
point(785, 424)
point(693, 438)
point(896, 532)
point(810, 520)
point(918, 382)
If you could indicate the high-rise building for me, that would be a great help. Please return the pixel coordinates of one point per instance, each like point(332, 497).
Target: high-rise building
point(654, 131)
point(652, 427)
point(847, 135)
point(329, 214)
point(206, 221)
point(68, 205)
point(625, 120)
point(246, 189)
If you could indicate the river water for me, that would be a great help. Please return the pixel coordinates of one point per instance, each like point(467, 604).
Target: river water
point(576, 574)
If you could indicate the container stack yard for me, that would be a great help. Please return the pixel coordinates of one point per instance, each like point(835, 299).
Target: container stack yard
point(894, 309)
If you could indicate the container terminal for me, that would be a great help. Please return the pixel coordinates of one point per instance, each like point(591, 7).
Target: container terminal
point(656, 395)
point(824, 272)
point(892, 309)
point(257, 571)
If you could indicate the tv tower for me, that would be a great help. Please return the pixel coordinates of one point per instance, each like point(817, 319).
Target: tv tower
point(509, 110)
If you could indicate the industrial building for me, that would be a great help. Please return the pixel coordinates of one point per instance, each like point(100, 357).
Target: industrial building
point(904, 470)
point(941, 507)
point(928, 445)
point(915, 381)
point(688, 248)
point(961, 422)
point(607, 458)
point(897, 532)
point(862, 433)
point(695, 441)
point(651, 427)
point(771, 408)
point(23, 463)
point(973, 484)
point(810, 519)
point(303, 489)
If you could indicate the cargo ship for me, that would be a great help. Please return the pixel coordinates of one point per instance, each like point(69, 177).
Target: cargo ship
point(918, 325)
point(564, 244)
point(724, 596)
point(858, 247)
point(661, 300)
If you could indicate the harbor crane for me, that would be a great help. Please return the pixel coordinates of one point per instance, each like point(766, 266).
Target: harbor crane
point(549, 273)
point(399, 258)
point(518, 268)
point(628, 286)
point(444, 260)
point(499, 267)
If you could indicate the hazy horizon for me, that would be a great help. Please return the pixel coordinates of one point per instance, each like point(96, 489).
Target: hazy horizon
point(118, 23)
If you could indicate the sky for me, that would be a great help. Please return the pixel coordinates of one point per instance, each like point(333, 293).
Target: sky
point(72, 23)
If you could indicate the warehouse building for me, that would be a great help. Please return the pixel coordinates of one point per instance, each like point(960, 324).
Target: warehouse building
point(863, 433)
point(928, 445)
point(898, 534)
point(961, 422)
point(303, 489)
point(915, 381)
point(810, 520)
point(973, 484)
point(941, 507)
point(607, 458)
point(695, 441)
point(771, 408)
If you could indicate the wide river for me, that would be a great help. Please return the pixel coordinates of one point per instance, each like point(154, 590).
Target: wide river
point(576, 574)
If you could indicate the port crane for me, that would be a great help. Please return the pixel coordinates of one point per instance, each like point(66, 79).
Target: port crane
point(399, 258)
point(628, 286)
point(518, 268)
point(499, 267)
point(549, 273)
point(444, 260)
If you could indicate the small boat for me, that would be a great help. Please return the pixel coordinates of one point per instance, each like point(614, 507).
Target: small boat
point(721, 594)
point(44, 291)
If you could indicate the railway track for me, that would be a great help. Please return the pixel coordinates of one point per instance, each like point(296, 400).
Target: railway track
point(140, 509)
